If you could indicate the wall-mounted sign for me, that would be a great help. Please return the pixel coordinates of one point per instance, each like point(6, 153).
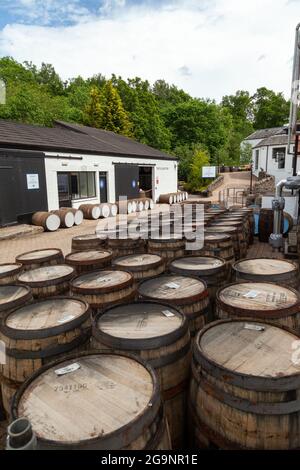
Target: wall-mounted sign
point(33, 181)
point(208, 172)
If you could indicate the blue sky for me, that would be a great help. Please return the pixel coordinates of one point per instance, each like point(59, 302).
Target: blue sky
point(59, 12)
point(207, 47)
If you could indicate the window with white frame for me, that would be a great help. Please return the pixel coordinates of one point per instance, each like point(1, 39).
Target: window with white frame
point(278, 154)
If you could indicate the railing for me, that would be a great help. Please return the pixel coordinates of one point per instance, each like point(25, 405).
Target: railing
point(232, 197)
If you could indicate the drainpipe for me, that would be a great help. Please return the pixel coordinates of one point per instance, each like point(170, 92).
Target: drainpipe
point(20, 436)
point(295, 89)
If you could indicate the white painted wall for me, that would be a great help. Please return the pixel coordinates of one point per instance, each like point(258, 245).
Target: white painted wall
point(270, 165)
point(291, 205)
point(164, 174)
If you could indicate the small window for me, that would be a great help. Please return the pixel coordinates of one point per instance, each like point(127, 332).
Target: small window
point(279, 156)
point(256, 159)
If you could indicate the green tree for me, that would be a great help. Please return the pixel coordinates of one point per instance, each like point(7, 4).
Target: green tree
point(246, 153)
point(240, 107)
point(199, 160)
point(113, 116)
point(198, 121)
point(12, 72)
point(139, 102)
point(94, 110)
point(167, 95)
point(270, 109)
point(47, 77)
point(185, 154)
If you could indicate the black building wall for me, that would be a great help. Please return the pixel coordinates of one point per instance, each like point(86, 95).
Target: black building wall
point(22, 185)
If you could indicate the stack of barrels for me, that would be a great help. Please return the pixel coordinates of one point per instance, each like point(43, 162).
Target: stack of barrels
point(172, 344)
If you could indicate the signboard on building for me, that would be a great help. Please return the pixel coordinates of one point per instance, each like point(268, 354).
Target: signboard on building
point(33, 181)
point(209, 172)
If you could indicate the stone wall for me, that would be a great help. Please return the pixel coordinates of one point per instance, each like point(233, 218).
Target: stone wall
point(216, 183)
point(265, 185)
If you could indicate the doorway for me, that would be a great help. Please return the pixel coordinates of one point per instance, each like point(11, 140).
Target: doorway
point(146, 180)
point(103, 186)
point(64, 193)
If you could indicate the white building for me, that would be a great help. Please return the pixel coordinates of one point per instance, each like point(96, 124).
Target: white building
point(270, 153)
point(68, 165)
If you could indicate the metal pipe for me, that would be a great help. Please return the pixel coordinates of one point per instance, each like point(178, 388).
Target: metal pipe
point(278, 207)
point(295, 88)
point(20, 435)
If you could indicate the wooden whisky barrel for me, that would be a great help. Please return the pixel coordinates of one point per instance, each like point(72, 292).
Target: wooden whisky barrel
point(242, 233)
point(250, 215)
point(265, 224)
point(168, 248)
point(185, 292)
point(78, 215)
point(159, 334)
point(146, 203)
point(90, 211)
point(238, 238)
point(166, 199)
point(50, 222)
point(141, 266)
point(210, 269)
point(66, 217)
point(125, 246)
point(216, 244)
point(260, 300)
point(113, 209)
point(242, 220)
point(87, 242)
point(105, 210)
point(92, 260)
point(244, 388)
point(279, 271)
point(9, 273)
point(215, 211)
point(13, 296)
point(39, 258)
point(125, 207)
point(232, 231)
point(102, 289)
point(48, 281)
point(94, 401)
point(140, 205)
point(38, 333)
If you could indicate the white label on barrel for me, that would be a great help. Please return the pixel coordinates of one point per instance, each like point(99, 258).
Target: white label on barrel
point(251, 294)
point(172, 285)
point(104, 279)
point(66, 318)
point(68, 369)
point(248, 326)
point(167, 313)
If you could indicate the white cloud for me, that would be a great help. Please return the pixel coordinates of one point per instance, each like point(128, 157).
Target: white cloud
point(216, 43)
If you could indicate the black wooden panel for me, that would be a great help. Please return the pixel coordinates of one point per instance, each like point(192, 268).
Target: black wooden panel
point(17, 201)
point(127, 181)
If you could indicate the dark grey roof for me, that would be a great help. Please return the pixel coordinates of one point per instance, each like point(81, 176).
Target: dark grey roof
point(281, 139)
point(264, 133)
point(73, 138)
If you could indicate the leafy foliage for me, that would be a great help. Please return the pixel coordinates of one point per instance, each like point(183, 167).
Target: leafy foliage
point(195, 181)
point(162, 115)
